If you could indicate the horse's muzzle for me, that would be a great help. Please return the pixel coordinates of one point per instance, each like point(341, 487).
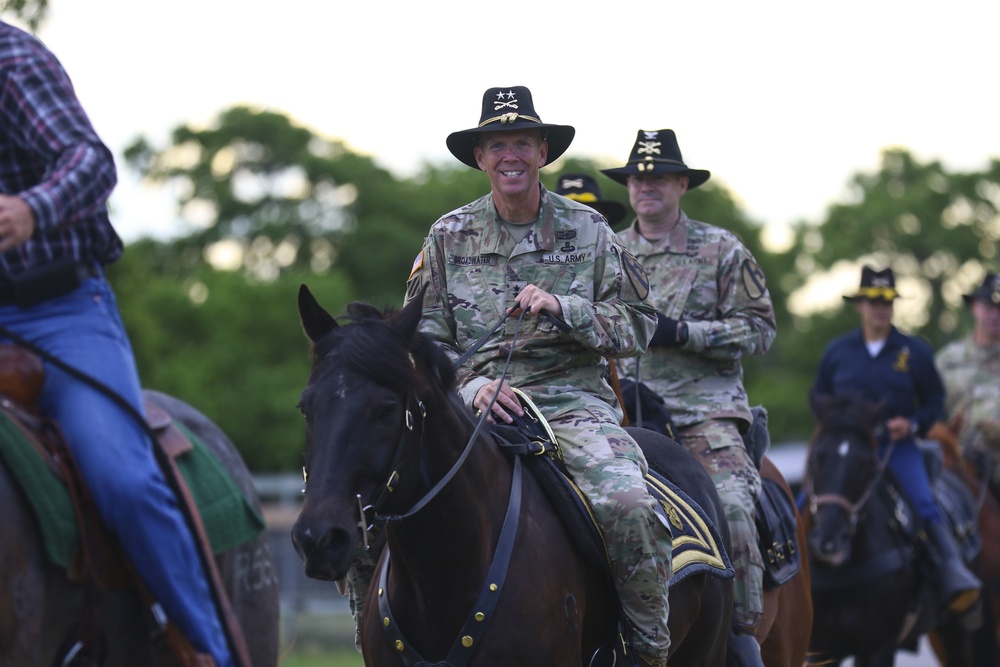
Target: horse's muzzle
point(326, 550)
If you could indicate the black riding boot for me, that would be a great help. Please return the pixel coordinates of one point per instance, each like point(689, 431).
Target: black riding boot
point(955, 587)
point(744, 651)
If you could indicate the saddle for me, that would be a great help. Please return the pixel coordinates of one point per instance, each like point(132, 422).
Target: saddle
point(774, 513)
point(639, 400)
point(697, 543)
point(74, 536)
point(954, 499)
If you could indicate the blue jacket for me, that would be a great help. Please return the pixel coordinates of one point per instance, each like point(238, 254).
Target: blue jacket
point(903, 376)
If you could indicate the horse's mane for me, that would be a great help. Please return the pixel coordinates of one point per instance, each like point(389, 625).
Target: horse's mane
point(845, 413)
point(368, 343)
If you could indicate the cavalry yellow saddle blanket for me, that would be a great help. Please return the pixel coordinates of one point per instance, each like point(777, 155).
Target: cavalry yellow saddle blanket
point(697, 543)
point(228, 517)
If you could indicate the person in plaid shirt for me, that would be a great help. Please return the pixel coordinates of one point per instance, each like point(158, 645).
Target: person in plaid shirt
point(55, 238)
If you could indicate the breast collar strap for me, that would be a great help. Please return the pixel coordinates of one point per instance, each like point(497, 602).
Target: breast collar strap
point(482, 612)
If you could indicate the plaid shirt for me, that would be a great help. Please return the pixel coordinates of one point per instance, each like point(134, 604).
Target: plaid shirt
point(51, 157)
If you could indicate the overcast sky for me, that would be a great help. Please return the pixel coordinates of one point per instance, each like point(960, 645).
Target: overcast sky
point(782, 101)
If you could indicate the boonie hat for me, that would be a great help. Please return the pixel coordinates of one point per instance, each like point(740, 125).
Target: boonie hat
point(657, 152)
point(509, 109)
point(584, 189)
point(989, 291)
point(875, 286)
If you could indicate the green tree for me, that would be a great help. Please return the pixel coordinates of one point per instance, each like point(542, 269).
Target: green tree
point(279, 197)
point(228, 344)
point(32, 12)
point(939, 232)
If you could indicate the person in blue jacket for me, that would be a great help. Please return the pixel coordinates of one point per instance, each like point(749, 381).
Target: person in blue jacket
point(879, 363)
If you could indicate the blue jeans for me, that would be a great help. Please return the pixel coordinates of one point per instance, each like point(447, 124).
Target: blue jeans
point(115, 456)
point(907, 465)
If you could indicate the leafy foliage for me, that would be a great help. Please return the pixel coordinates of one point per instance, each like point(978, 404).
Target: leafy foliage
point(300, 208)
point(226, 343)
point(32, 12)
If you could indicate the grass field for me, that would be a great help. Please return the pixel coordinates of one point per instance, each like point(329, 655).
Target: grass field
point(334, 658)
point(319, 641)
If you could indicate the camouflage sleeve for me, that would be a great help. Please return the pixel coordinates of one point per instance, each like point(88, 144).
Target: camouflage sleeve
point(428, 276)
point(621, 319)
point(947, 362)
point(438, 319)
point(744, 322)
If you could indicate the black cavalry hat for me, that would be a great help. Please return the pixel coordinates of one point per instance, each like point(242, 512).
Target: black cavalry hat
point(584, 189)
point(506, 110)
point(989, 291)
point(875, 286)
point(657, 152)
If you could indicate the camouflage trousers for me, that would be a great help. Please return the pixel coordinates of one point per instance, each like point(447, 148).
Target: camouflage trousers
point(719, 446)
point(359, 580)
point(609, 468)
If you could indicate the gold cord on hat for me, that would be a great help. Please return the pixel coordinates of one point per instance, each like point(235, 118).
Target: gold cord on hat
point(875, 293)
point(509, 118)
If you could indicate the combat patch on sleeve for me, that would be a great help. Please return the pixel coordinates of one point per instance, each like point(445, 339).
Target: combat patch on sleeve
point(413, 286)
point(636, 274)
point(754, 281)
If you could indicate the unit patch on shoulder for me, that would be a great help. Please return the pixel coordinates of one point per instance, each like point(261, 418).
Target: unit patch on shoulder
point(636, 274)
point(754, 281)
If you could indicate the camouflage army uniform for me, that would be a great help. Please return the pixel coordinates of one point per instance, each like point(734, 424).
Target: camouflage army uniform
point(474, 269)
point(971, 375)
point(704, 276)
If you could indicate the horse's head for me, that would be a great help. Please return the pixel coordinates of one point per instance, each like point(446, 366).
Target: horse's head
point(840, 473)
point(364, 407)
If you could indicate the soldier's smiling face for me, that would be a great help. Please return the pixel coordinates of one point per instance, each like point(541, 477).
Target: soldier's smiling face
point(511, 160)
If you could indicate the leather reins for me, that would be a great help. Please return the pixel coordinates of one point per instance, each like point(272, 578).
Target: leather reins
point(853, 509)
point(391, 483)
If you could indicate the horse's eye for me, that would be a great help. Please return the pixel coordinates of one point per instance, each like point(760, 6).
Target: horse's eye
point(300, 408)
point(385, 413)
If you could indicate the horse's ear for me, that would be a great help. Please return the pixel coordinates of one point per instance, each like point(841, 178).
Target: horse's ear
point(316, 322)
point(407, 320)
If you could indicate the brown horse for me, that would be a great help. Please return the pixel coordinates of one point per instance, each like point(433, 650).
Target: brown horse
point(784, 630)
point(987, 640)
point(42, 610)
point(871, 591)
point(478, 567)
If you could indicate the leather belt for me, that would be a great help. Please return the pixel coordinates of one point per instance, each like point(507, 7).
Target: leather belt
point(8, 296)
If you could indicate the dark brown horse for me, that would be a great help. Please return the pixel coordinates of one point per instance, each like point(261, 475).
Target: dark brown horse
point(870, 591)
point(976, 477)
point(785, 628)
point(783, 632)
point(385, 428)
point(40, 608)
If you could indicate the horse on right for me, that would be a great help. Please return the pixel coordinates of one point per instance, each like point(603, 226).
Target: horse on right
point(870, 580)
point(975, 467)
